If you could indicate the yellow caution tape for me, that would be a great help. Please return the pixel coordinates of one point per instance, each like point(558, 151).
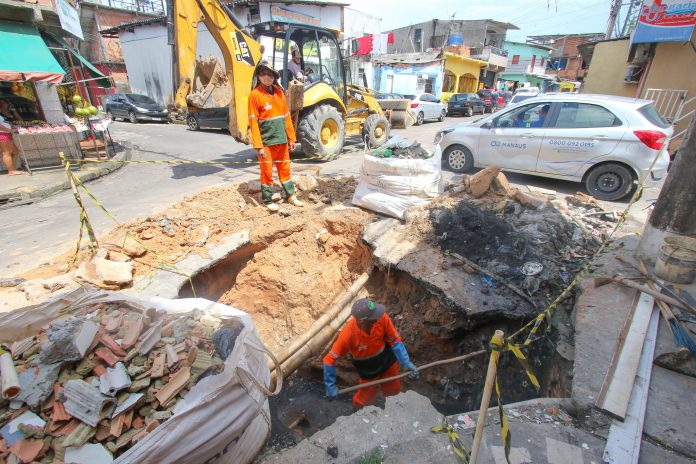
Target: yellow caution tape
point(521, 358)
point(457, 445)
point(85, 223)
point(504, 426)
point(180, 162)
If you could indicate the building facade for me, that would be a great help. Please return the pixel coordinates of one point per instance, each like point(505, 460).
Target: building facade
point(409, 74)
point(105, 52)
point(484, 38)
point(526, 66)
point(565, 59)
point(461, 74)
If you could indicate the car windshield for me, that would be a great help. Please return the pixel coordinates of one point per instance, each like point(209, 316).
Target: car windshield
point(650, 113)
point(410, 97)
point(140, 98)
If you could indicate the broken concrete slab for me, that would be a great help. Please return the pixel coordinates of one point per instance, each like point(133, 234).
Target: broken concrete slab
point(88, 454)
point(68, 341)
point(37, 383)
point(306, 183)
point(359, 435)
point(84, 401)
point(114, 272)
point(167, 284)
point(394, 248)
point(502, 185)
point(87, 274)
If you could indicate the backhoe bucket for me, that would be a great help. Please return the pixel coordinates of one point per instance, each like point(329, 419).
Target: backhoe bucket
point(398, 112)
point(211, 88)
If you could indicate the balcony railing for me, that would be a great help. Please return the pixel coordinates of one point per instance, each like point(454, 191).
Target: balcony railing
point(142, 6)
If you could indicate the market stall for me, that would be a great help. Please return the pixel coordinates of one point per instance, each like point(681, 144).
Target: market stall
point(29, 99)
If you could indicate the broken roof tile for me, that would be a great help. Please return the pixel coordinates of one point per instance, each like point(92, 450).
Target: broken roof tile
point(176, 383)
point(117, 425)
point(172, 357)
point(130, 402)
point(150, 338)
point(27, 450)
point(107, 355)
point(112, 324)
point(110, 343)
point(133, 325)
point(115, 380)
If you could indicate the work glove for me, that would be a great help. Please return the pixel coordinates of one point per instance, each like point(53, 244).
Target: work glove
point(402, 356)
point(330, 381)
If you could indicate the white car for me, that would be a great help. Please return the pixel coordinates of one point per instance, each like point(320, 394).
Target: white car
point(427, 106)
point(608, 143)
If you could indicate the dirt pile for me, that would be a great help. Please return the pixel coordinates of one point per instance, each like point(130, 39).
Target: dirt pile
point(300, 268)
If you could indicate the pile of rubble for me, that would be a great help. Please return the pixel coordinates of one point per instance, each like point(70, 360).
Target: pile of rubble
point(95, 384)
point(533, 241)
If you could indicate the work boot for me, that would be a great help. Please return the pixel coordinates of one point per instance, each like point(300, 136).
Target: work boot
point(292, 199)
point(272, 207)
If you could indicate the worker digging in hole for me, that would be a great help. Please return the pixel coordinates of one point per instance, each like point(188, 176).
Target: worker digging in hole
point(375, 347)
point(272, 134)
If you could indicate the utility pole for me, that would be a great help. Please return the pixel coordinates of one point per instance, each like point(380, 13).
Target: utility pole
point(674, 209)
point(613, 14)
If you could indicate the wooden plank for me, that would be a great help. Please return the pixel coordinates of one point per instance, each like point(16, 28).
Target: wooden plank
point(616, 390)
point(623, 443)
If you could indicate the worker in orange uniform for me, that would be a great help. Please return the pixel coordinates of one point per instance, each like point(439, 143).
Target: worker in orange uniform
point(272, 134)
point(375, 347)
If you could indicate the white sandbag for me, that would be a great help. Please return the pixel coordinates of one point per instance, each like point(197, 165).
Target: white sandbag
point(391, 185)
point(418, 185)
point(224, 418)
point(383, 201)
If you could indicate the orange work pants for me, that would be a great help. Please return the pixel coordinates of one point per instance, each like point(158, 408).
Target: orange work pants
point(280, 156)
point(366, 396)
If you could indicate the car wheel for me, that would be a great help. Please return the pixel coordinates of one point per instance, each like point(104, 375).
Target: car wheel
point(609, 181)
point(419, 118)
point(132, 118)
point(443, 115)
point(192, 123)
point(468, 112)
point(110, 115)
point(459, 158)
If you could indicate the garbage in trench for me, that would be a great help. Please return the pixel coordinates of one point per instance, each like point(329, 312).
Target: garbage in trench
point(117, 372)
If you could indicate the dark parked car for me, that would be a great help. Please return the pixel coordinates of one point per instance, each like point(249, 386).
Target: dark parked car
point(465, 104)
point(135, 107)
point(216, 118)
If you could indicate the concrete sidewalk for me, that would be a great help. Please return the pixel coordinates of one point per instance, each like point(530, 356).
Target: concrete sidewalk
point(20, 190)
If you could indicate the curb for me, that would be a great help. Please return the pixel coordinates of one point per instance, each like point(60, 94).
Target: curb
point(17, 198)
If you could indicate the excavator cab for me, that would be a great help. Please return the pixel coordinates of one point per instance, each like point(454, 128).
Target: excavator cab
point(320, 55)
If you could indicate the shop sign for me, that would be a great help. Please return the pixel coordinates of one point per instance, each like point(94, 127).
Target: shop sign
point(292, 16)
point(69, 18)
point(665, 21)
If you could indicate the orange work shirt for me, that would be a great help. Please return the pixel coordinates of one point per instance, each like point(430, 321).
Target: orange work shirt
point(360, 344)
point(269, 118)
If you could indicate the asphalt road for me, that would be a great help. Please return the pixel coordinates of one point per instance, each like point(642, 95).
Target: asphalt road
point(33, 234)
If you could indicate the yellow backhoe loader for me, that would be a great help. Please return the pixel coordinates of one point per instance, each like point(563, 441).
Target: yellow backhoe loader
point(325, 107)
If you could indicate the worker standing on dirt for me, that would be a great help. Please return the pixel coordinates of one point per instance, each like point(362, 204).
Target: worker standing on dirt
point(272, 134)
point(375, 347)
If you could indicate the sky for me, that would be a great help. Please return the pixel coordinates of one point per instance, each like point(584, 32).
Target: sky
point(533, 17)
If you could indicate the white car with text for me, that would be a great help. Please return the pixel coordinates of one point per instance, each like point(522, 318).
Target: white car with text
point(608, 143)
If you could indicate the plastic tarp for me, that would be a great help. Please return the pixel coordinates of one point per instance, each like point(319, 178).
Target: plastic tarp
point(224, 418)
point(391, 185)
point(25, 56)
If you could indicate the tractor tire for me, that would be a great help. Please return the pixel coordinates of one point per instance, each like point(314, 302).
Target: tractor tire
point(322, 133)
point(376, 130)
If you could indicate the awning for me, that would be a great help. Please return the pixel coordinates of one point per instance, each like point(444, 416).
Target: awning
point(24, 55)
point(93, 71)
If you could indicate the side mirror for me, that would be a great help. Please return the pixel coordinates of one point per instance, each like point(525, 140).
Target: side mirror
point(488, 125)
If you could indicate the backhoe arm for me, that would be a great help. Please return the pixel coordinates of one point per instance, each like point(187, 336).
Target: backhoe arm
point(240, 52)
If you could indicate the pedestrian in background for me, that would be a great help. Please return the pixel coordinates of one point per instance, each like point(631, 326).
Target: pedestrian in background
point(272, 134)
